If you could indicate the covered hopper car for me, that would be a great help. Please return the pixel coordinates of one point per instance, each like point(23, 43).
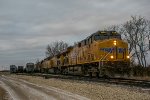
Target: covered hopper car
point(29, 67)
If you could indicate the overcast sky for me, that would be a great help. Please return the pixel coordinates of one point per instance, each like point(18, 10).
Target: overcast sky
point(27, 26)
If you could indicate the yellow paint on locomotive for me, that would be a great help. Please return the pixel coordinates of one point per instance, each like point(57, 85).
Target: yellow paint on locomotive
point(108, 51)
point(101, 50)
point(54, 62)
point(47, 64)
point(73, 55)
point(112, 49)
point(62, 60)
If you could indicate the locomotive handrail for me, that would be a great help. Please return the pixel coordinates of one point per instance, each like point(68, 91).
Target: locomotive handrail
point(103, 58)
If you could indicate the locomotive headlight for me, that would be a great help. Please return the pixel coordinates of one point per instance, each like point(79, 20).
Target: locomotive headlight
point(111, 57)
point(115, 42)
point(128, 57)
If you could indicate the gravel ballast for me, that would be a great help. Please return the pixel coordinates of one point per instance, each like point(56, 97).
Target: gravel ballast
point(3, 93)
point(93, 91)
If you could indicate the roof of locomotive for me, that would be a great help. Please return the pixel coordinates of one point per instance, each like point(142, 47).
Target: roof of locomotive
point(101, 33)
point(104, 33)
point(111, 34)
point(67, 50)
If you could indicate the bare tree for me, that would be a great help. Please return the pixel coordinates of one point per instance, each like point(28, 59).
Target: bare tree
point(55, 48)
point(113, 28)
point(135, 32)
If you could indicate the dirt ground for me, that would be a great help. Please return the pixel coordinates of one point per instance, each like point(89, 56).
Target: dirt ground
point(94, 91)
point(3, 95)
point(24, 90)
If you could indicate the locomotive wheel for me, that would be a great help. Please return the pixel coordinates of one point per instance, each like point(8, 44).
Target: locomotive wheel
point(107, 72)
point(103, 73)
point(112, 74)
point(97, 74)
point(129, 72)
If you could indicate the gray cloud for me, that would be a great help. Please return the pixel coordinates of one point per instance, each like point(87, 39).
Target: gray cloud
point(27, 26)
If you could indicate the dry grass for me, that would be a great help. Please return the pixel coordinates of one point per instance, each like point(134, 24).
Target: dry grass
point(94, 91)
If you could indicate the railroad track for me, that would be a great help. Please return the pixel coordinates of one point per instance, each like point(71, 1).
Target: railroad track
point(117, 81)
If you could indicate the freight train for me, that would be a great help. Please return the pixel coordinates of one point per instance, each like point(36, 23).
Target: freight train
point(13, 69)
point(101, 53)
point(20, 69)
point(29, 68)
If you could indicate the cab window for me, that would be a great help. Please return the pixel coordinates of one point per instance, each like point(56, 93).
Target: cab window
point(97, 37)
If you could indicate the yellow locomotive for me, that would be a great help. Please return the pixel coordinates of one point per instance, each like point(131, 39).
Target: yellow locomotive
point(102, 53)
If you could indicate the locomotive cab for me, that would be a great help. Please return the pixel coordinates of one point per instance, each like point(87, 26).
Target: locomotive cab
point(107, 50)
point(110, 46)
